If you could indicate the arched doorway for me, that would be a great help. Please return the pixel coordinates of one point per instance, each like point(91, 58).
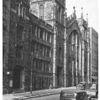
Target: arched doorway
point(59, 76)
point(18, 78)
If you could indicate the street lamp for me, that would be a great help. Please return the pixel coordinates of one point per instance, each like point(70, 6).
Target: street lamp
point(8, 73)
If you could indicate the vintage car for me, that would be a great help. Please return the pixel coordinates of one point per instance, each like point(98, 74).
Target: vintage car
point(84, 85)
point(93, 91)
point(73, 94)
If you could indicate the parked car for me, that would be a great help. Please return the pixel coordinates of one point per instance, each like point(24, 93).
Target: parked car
point(73, 94)
point(81, 86)
point(93, 91)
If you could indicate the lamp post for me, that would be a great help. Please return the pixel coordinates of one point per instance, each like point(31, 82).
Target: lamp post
point(8, 73)
point(31, 73)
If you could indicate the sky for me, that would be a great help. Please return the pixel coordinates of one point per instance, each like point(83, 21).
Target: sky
point(89, 6)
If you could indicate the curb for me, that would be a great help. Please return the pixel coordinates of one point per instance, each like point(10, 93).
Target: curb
point(27, 95)
point(36, 96)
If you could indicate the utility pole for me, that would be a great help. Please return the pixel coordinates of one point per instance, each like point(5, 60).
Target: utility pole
point(31, 73)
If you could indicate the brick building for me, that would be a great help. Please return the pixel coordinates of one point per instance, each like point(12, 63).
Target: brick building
point(29, 50)
point(76, 47)
point(52, 11)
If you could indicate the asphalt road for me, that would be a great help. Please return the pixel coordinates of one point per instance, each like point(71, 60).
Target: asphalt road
point(50, 97)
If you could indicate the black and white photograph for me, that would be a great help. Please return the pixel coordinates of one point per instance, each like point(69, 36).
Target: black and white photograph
point(50, 50)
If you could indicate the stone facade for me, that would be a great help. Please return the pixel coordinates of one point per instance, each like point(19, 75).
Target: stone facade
point(52, 11)
point(76, 58)
point(29, 63)
point(6, 22)
point(43, 48)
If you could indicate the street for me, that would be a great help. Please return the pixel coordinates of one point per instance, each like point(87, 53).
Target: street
point(47, 97)
point(49, 94)
point(43, 95)
point(50, 97)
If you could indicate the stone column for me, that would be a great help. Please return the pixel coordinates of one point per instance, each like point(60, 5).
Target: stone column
point(65, 52)
point(82, 60)
point(88, 69)
point(72, 73)
point(54, 45)
point(88, 59)
point(54, 58)
point(90, 33)
point(76, 63)
point(73, 61)
point(65, 63)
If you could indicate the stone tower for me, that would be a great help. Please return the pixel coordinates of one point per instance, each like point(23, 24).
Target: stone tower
point(52, 11)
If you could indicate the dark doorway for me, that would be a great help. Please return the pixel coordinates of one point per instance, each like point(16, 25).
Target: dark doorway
point(17, 77)
point(59, 77)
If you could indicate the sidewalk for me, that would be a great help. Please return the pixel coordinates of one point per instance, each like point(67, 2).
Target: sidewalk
point(39, 93)
point(21, 96)
point(10, 97)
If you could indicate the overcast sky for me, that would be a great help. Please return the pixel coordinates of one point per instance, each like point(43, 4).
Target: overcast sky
point(89, 6)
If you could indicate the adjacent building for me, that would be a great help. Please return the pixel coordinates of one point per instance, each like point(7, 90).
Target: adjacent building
point(41, 43)
point(93, 35)
point(6, 22)
point(44, 48)
point(52, 11)
point(29, 50)
point(76, 47)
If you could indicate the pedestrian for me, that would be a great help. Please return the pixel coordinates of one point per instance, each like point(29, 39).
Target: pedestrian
point(50, 86)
